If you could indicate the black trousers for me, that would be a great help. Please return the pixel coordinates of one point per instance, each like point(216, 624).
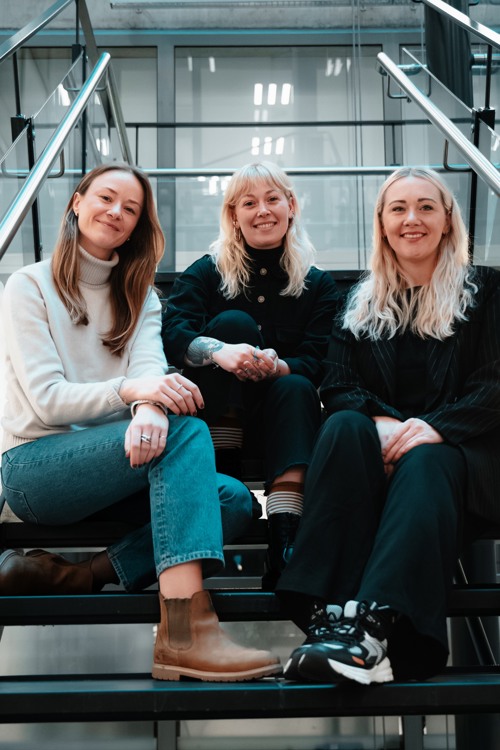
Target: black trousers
point(395, 542)
point(280, 418)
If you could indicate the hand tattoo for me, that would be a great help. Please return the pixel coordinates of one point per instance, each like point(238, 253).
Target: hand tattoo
point(201, 350)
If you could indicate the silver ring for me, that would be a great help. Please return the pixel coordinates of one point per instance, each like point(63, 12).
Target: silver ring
point(246, 370)
point(179, 387)
point(146, 438)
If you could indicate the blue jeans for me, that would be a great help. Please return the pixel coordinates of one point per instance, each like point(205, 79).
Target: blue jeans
point(64, 478)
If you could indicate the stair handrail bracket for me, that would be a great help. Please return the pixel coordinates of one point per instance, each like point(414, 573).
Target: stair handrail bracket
point(28, 193)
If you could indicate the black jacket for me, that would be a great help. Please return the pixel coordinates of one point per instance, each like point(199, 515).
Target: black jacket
point(463, 397)
point(297, 328)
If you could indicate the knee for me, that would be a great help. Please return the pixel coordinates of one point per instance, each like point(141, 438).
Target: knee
point(191, 430)
point(350, 437)
point(234, 327)
point(349, 424)
point(296, 387)
point(437, 472)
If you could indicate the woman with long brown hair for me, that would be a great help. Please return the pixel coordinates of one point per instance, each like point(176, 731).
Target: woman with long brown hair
point(92, 417)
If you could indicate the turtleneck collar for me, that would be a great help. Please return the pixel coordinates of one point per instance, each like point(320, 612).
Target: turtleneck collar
point(271, 258)
point(94, 271)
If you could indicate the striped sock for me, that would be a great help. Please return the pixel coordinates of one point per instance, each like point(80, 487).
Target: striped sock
point(227, 434)
point(285, 497)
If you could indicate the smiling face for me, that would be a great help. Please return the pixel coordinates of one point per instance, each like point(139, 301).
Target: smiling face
point(413, 221)
point(263, 215)
point(108, 212)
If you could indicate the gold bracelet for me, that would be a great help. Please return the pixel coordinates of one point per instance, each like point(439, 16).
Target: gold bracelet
point(135, 404)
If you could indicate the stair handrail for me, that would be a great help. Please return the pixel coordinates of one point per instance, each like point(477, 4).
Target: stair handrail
point(20, 38)
point(109, 95)
point(471, 154)
point(34, 182)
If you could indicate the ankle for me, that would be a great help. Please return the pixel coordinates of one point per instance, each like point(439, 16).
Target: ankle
point(102, 571)
point(380, 621)
point(285, 497)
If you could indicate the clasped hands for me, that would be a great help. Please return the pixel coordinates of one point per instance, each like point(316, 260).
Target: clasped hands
point(397, 438)
point(247, 362)
point(146, 435)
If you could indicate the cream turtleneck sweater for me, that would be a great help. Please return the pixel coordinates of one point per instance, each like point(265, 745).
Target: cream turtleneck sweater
point(59, 376)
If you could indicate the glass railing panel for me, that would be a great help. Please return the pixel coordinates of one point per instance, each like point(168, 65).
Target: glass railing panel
point(55, 193)
point(446, 101)
point(487, 220)
point(487, 243)
point(294, 146)
point(13, 170)
point(336, 211)
point(41, 70)
point(143, 141)
point(90, 137)
point(278, 83)
point(56, 190)
point(486, 88)
point(7, 103)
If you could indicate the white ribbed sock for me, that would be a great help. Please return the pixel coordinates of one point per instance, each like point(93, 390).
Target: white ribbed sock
point(285, 497)
point(226, 437)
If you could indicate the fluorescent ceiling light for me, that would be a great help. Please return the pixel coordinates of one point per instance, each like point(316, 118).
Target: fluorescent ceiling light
point(286, 93)
point(271, 94)
point(258, 91)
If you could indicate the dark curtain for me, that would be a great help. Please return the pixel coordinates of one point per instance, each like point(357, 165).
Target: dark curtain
point(449, 54)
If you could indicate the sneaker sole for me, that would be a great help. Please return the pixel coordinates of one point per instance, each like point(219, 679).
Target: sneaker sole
point(314, 667)
point(381, 672)
point(318, 666)
point(166, 672)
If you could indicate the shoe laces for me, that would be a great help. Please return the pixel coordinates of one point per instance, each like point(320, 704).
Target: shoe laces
point(352, 628)
point(324, 618)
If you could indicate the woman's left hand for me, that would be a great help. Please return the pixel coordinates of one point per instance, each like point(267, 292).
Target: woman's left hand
point(406, 436)
point(146, 435)
point(265, 365)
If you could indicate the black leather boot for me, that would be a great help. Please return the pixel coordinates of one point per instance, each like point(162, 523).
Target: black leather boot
point(282, 528)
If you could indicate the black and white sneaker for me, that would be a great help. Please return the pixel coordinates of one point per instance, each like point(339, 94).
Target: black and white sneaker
point(323, 618)
point(356, 647)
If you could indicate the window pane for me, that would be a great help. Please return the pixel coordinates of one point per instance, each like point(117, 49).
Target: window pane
point(283, 92)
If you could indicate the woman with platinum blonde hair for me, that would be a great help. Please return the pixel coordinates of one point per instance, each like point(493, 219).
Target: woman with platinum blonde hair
point(378, 308)
point(407, 462)
point(249, 323)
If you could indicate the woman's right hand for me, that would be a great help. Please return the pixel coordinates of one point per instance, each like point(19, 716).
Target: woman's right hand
point(146, 435)
point(174, 391)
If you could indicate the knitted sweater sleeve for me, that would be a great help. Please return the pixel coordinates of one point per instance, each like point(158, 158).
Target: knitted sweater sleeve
point(146, 355)
point(58, 374)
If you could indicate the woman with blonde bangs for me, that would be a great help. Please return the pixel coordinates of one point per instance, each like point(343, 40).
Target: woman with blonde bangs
point(92, 420)
point(229, 249)
point(407, 462)
point(249, 323)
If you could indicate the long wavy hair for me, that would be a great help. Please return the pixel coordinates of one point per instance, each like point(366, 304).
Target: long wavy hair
point(229, 251)
point(130, 279)
point(380, 304)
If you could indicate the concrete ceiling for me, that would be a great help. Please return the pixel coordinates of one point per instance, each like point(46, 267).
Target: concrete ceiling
point(273, 14)
point(337, 14)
